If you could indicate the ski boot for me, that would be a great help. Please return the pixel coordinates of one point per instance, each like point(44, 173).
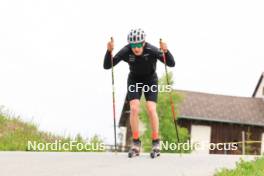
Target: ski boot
point(155, 148)
point(135, 148)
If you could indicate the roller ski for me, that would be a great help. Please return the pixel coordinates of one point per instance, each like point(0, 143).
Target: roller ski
point(155, 149)
point(135, 149)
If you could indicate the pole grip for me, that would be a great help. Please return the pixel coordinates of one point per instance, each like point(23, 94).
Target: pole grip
point(160, 40)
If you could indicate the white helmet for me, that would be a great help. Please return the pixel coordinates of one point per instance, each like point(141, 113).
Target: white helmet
point(136, 36)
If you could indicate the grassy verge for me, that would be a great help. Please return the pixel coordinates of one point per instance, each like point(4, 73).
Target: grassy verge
point(15, 134)
point(244, 168)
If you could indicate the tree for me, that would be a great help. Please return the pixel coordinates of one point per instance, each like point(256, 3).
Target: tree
point(167, 128)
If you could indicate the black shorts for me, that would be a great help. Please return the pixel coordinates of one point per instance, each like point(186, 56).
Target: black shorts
point(148, 85)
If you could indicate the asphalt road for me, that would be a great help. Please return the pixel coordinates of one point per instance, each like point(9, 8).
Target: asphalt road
point(110, 164)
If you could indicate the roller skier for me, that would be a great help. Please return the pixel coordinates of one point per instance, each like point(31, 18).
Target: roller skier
point(142, 58)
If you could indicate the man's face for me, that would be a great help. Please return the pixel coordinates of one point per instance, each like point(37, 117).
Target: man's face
point(137, 48)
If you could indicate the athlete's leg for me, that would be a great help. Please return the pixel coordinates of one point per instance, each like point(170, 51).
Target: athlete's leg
point(134, 123)
point(134, 119)
point(153, 117)
point(151, 98)
point(133, 96)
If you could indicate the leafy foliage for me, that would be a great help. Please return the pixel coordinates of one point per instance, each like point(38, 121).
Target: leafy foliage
point(166, 123)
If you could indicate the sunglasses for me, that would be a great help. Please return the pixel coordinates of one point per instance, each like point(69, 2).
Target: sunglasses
point(136, 45)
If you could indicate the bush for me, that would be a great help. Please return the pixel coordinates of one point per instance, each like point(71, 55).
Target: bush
point(166, 124)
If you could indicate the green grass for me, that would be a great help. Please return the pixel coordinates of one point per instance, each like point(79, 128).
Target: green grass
point(244, 168)
point(15, 134)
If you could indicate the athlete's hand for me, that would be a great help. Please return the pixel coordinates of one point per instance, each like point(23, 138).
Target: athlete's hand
point(110, 45)
point(163, 46)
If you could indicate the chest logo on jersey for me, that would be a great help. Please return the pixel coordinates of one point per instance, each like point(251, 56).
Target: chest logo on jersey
point(131, 58)
point(146, 57)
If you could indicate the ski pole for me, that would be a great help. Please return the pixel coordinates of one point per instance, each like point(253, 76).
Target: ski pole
point(113, 96)
point(171, 100)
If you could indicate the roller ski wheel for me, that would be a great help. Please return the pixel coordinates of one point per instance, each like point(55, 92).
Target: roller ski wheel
point(133, 153)
point(154, 154)
point(135, 149)
point(155, 149)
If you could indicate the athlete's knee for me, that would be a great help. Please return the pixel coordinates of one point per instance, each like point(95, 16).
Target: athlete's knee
point(151, 107)
point(134, 107)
